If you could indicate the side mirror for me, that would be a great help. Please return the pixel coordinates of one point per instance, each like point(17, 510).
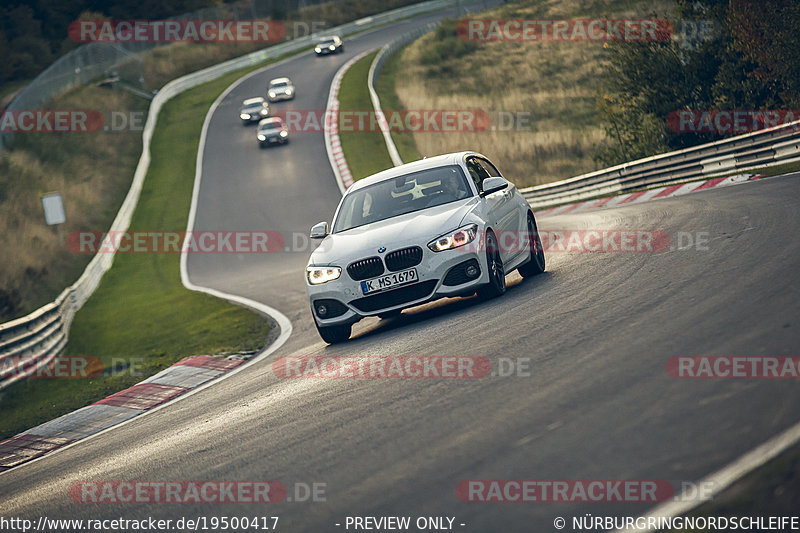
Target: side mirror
point(319, 231)
point(495, 184)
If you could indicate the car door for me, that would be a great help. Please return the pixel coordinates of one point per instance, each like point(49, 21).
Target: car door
point(501, 208)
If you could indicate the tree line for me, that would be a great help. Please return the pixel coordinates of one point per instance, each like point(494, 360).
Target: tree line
point(726, 61)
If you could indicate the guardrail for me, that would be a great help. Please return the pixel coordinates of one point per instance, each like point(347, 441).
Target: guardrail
point(375, 70)
point(780, 144)
point(33, 341)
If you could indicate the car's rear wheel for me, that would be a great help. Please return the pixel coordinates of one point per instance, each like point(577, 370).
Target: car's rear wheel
point(495, 269)
point(334, 334)
point(537, 263)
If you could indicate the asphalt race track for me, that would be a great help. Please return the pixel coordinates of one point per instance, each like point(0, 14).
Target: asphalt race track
point(597, 330)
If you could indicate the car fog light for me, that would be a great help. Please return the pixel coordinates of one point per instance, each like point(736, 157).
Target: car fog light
point(472, 271)
point(322, 310)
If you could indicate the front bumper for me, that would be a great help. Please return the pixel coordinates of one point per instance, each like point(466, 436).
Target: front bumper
point(273, 140)
point(281, 96)
point(430, 286)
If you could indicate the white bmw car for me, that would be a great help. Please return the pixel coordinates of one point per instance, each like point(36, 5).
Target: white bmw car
point(449, 225)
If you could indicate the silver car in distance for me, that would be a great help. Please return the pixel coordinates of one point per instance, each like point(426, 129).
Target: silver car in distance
point(280, 89)
point(272, 130)
point(449, 225)
point(253, 110)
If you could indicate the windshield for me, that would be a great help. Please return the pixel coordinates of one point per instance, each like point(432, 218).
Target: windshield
point(270, 126)
point(402, 195)
point(279, 84)
point(327, 43)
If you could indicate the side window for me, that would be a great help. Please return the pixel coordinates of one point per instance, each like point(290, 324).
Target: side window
point(476, 172)
point(489, 168)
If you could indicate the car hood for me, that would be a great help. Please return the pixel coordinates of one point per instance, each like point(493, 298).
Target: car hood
point(418, 228)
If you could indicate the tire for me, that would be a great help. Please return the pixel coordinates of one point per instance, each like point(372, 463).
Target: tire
point(334, 334)
point(536, 265)
point(494, 266)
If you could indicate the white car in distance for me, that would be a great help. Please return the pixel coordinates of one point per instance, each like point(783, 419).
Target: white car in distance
point(280, 89)
point(449, 225)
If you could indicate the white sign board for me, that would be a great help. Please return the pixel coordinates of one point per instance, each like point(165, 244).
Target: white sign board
point(53, 209)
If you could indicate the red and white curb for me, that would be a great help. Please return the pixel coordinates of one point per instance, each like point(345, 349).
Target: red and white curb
point(650, 194)
point(183, 376)
point(333, 145)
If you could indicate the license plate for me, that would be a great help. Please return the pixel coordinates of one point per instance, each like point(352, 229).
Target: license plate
point(389, 281)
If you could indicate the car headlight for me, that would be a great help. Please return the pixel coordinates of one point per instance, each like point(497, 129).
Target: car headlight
point(284, 133)
point(318, 49)
point(289, 92)
point(319, 275)
point(332, 47)
point(244, 116)
point(262, 137)
point(272, 94)
point(264, 111)
point(455, 239)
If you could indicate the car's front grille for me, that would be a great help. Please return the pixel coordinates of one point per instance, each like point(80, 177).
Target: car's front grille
point(394, 297)
point(365, 268)
point(404, 258)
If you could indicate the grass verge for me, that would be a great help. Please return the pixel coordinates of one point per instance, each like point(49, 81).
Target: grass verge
point(364, 148)
point(541, 96)
point(385, 87)
point(141, 319)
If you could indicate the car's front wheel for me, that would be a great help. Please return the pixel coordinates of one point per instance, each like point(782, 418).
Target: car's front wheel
point(334, 334)
point(494, 266)
point(536, 265)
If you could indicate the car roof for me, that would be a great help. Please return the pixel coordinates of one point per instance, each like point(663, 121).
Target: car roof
point(270, 120)
point(327, 38)
point(280, 80)
point(254, 101)
point(416, 166)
